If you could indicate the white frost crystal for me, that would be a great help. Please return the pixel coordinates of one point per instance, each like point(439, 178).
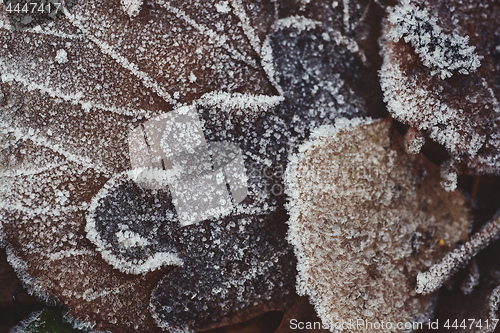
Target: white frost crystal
point(363, 219)
point(223, 7)
point(61, 56)
point(132, 7)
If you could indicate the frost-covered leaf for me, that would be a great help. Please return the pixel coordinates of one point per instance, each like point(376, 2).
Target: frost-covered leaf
point(239, 265)
point(366, 217)
point(162, 57)
point(430, 281)
point(313, 70)
point(133, 227)
point(459, 108)
point(325, 56)
point(476, 304)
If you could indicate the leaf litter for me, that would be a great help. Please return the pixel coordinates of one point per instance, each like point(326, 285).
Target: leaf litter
point(262, 75)
point(458, 108)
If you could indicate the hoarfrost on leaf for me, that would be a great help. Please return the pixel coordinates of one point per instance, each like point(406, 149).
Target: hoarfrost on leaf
point(414, 141)
point(442, 52)
point(460, 112)
point(364, 222)
point(138, 224)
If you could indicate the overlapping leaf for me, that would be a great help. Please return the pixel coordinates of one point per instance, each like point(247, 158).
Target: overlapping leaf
point(458, 108)
point(365, 219)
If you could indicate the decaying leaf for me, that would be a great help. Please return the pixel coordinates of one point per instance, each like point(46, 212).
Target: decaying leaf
point(366, 217)
point(440, 75)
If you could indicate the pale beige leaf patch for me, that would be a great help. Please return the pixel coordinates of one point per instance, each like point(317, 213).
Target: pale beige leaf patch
point(366, 217)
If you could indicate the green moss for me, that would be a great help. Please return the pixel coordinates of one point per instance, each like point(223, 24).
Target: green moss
point(49, 321)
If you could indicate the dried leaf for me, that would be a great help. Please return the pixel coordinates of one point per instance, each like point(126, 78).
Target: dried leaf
point(459, 108)
point(365, 218)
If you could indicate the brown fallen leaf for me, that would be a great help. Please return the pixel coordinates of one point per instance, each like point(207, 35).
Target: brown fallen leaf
point(440, 75)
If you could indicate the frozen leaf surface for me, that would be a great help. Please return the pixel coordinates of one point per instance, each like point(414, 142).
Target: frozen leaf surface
point(326, 57)
point(442, 53)
point(458, 108)
point(133, 227)
point(433, 279)
point(365, 217)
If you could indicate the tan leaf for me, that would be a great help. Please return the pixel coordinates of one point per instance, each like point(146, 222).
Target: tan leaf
point(366, 217)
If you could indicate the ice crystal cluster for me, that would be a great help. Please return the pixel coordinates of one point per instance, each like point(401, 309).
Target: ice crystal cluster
point(443, 53)
point(365, 219)
point(459, 108)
